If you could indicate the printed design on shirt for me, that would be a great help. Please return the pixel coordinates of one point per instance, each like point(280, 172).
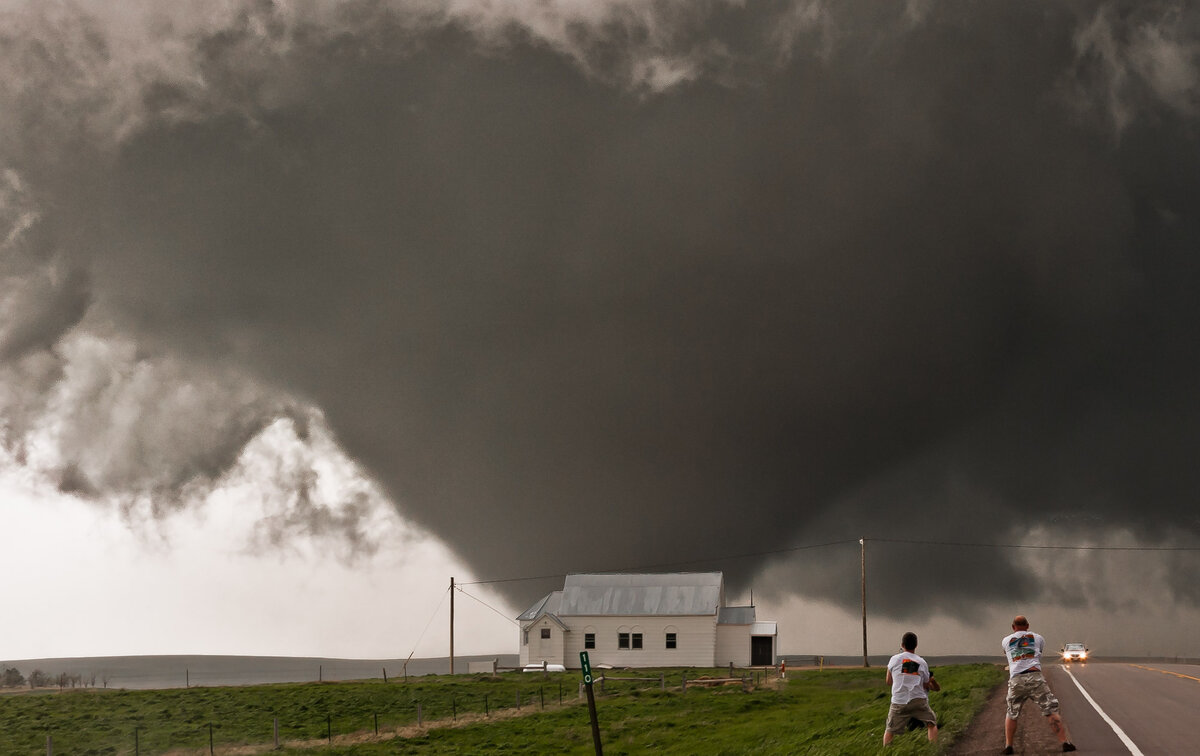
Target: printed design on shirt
point(910, 667)
point(1022, 647)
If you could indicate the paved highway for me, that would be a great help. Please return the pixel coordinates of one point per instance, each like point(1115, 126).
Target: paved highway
point(1120, 708)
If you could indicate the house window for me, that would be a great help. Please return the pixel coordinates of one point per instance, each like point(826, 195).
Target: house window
point(545, 633)
point(670, 640)
point(637, 640)
point(589, 640)
point(525, 638)
point(622, 640)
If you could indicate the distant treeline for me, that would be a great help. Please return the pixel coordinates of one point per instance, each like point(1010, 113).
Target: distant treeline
point(13, 678)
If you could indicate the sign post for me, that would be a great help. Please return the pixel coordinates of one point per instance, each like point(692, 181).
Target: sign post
point(587, 683)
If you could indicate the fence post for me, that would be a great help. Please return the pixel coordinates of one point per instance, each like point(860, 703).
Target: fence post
point(211, 751)
point(662, 680)
point(542, 696)
point(277, 733)
point(518, 700)
point(486, 713)
point(377, 724)
point(329, 728)
point(453, 708)
point(49, 745)
point(560, 692)
point(385, 674)
point(731, 669)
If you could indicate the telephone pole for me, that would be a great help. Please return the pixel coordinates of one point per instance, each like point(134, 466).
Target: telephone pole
point(452, 626)
point(863, 543)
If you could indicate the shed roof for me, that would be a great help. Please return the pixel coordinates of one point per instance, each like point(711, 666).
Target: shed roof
point(676, 593)
point(736, 615)
point(764, 628)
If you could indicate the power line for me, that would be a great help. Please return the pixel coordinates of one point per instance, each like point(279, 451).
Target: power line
point(706, 560)
point(430, 622)
point(514, 580)
point(792, 549)
point(489, 606)
point(1058, 547)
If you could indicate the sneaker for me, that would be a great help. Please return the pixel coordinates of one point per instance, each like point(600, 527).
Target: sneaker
point(1068, 746)
point(1007, 749)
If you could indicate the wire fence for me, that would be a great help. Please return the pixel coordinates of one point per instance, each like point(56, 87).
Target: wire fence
point(228, 720)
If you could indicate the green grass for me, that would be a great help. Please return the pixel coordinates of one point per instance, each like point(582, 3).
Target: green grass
point(819, 712)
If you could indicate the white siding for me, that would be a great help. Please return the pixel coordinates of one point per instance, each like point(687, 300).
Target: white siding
point(733, 645)
point(549, 650)
point(695, 641)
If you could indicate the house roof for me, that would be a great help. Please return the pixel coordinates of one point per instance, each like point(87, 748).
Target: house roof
point(736, 615)
point(549, 603)
point(764, 628)
point(677, 593)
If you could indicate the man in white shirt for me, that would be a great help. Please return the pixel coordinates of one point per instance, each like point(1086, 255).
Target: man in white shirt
point(910, 678)
point(1023, 648)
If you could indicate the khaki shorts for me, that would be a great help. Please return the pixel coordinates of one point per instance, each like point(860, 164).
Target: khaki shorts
point(918, 709)
point(1030, 686)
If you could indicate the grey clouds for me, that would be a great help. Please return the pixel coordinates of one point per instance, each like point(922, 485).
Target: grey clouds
point(631, 284)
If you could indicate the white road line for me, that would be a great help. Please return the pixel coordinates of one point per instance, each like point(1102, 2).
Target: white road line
point(1133, 749)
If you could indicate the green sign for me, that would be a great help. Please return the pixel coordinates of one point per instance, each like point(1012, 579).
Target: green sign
point(587, 667)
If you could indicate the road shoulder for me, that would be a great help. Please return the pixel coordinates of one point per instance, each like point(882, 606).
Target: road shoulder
point(985, 734)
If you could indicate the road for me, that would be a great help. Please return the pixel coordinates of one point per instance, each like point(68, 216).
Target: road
point(1154, 706)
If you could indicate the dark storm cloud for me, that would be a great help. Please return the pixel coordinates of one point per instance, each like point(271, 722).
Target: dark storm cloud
point(670, 285)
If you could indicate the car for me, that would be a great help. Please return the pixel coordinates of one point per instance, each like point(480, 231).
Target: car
point(1073, 652)
point(541, 667)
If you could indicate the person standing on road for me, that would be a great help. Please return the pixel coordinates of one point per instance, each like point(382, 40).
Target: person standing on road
point(1026, 683)
point(910, 678)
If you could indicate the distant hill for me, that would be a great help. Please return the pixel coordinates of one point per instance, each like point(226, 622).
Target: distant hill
point(153, 672)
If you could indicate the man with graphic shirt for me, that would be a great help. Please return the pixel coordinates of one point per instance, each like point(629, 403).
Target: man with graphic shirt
point(910, 678)
point(1026, 683)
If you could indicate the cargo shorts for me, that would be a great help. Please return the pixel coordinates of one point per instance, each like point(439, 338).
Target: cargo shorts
point(900, 714)
point(1029, 686)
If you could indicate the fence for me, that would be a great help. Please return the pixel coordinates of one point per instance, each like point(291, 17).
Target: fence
point(147, 736)
point(222, 720)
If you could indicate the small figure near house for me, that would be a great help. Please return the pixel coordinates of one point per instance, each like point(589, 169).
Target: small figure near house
point(911, 679)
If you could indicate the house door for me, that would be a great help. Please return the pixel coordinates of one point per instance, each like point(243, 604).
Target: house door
point(762, 651)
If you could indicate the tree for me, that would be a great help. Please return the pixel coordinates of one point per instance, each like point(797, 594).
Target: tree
point(39, 679)
point(11, 678)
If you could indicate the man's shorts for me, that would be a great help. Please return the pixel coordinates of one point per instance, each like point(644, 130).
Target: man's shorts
point(918, 709)
point(1030, 686)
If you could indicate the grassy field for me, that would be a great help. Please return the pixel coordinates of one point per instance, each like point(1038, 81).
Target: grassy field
point(821, 712)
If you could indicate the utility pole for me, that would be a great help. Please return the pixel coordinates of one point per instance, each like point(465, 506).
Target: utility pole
point(863, 543)
point(452, 626)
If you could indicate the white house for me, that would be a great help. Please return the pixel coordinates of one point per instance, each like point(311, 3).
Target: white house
point(650, 620)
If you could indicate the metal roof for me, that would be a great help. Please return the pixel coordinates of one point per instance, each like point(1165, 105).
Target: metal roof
point(677, 593)
point(546, 604)
point(736, 615)
point(764, 628)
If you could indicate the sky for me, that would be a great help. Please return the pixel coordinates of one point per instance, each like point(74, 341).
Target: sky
point(307, 307)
